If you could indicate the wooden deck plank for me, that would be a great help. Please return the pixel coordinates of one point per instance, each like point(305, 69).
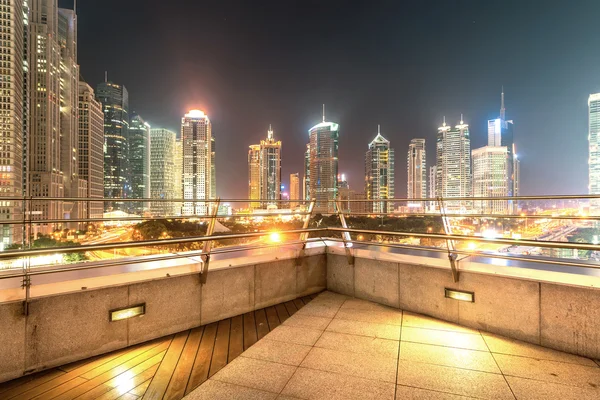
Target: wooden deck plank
point(250, 335)
point(290, 307)
point(120, 386)
point(306, 299)
point(52, 393)
point(219, 358)
point(161, 379)
point(272, 318)
point(100, 384)
point(202, 363)
point(236, 338)
point(140, 389)
point(181, 376)
point(298, 303)
point(282, 312)
point(262, 326)
point(34, 388)
point(39, 378)
point(313, 296)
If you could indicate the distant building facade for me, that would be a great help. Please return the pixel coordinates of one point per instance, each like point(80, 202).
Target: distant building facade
point(490, 179)
point(453, 166)
point(115, 105)
point(162, 172)
point(198, 163)
point(379, 175)
point(417, 170)
point(139, 161)
point(594, 145)
point(254, 191)
point(178, 176)
point(294, 190)
point(323, 164)
point(91, 148)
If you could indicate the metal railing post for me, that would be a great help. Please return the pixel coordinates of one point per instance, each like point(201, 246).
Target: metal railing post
point(452, 256)
point(346, 238)
point(304, 235)
point(205, 256)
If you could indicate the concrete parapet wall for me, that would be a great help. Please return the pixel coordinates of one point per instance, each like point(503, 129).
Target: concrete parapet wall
point(69, 327)
point(559, 316)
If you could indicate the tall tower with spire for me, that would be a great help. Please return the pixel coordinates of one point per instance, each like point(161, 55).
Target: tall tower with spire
point(500, 133)
point(264, 171)
point(323, 164)
point(379, 175)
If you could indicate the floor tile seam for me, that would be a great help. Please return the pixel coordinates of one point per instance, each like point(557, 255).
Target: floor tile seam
point(443, 345)
point(477, 333)
point(359, 353)
point(312, 347)
point(441, 391)
point(281, 341)
point(212, 378)
point(451, 366)
point(554, 382)
point(346, 375)
point(442, 330)
point(498, 366)
point(368, 322)
point(364, 336)
point(271, 361)
point(595, 367)
point(398, 354)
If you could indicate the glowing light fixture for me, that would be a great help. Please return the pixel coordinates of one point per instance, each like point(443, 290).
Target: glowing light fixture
point(275, 237)
point(127, 312)
point(195, 114)
point(459, 295)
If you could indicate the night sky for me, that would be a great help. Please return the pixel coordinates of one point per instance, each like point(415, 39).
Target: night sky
point(403, 65)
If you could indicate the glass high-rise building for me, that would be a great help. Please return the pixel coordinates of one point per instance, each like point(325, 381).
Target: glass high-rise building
point(490, 179)
point(501, 133)
point(264, 168)
point(306, 178)
point(294, 190)
point(91, 148)
point(323, 164)
point(177, 176)
point(254, 175)
point(162, 171)
point(139, 161)
point(379, 175)
point(115, 105)
point(198, 162)
point(417, 170)
point(453, 165)
point(13, 114)
point(594, 146)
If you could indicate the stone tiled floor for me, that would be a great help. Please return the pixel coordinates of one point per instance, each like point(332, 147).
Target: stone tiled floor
point(342, 348)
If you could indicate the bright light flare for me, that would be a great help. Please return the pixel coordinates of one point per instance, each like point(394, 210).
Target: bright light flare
point(471, 245)
point(275, 237)
point(489, 234)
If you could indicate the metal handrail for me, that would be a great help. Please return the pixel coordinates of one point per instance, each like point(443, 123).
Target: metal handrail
point(142, 243)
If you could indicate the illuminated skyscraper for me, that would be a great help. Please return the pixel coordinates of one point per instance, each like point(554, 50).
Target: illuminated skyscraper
point(198, 162)
point(323, 164)
point(13, 116)
point(500, 133)
point(306, 178)
point(453, 165)
point(115, 104)
point(379, 174)
point(52, 143)
point(294, 190)
point(594, 146)
point(139, 161)
point(162, 172)
point(417, 170)
point(264, 169)
point(490, 178)
point(177, 176)
point(432, 186)
point(91, 152)
point(254, 175)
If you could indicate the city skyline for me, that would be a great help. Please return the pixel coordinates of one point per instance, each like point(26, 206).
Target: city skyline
point(547, 94)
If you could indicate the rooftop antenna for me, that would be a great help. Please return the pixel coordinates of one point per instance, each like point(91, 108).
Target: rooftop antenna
point(105, 76)
point(75, 6)
point(444, 121)
point(323, 112)
point(378, 129)
point(502, 109)
point(270, 133)
point(461, 119)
